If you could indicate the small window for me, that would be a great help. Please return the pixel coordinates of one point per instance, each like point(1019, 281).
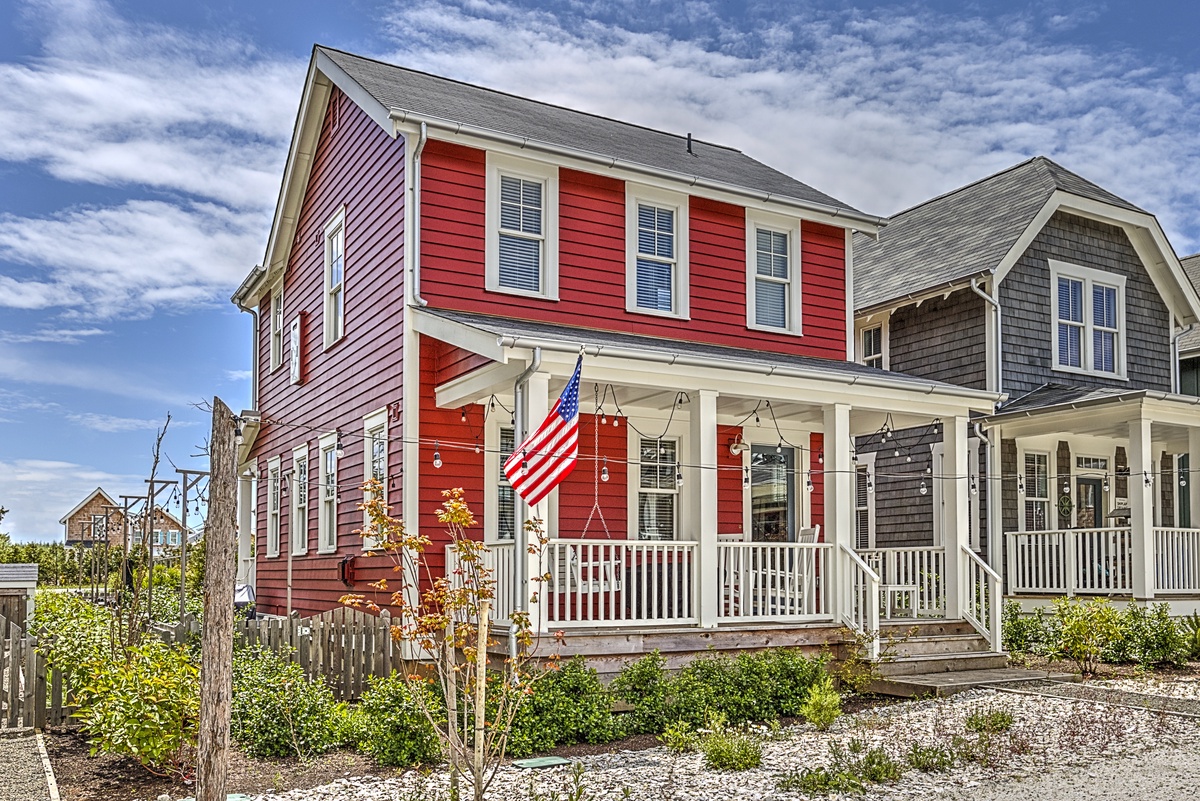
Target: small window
point(658, 489)
point(299, 524)
point(335, 278)
point(294, 352)
point(273, 492)
point(1037, 491)
point(276, 328)
point(522, 221)
point(656, 253)
point(99, 531)
point(375, 462)
point(1095, 464)
point(506, 507)
point(1089, 311)
point(327, 519)
point(872, 346)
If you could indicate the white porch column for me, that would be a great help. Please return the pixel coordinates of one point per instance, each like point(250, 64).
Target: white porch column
point(245, 521)
point(995, 502)
point(839, 493)
point(537, 406)
point(1193, 485)
point(1141, 507)
point(702, 502)
point(955, 492)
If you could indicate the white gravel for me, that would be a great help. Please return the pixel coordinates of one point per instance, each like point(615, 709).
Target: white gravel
point(1056, 747)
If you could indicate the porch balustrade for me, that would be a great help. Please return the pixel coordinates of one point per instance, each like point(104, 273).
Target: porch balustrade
point(860, 590)
point(1177, 560)
point(982, 605)
point(774, 581)
point(1085, 561)
point(913, 581)
point(498, 559)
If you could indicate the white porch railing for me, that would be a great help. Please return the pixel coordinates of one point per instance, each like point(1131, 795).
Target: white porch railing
point(1097, 561)
point(248, 572)
point(982, 603)
point(913, 580)
point(599, 582)
point(773, 581)
point(1177, 560)
point(860, 598)
point(498, 558)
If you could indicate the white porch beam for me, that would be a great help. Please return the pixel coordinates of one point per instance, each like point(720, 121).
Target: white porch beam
point(1193, 485)
point(995, 500)
point(839, 490)
point(955, 491)
point(1141, 507)
point(702, 421)
point(494, 379)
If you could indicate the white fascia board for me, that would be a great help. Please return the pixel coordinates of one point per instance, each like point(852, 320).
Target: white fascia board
point(458, 334)
point(942, 290)
point(495, 378)
point(588, 161)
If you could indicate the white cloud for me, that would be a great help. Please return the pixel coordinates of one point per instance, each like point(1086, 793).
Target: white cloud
point(882, 111)
point(15, 367)
point(58, 336)
point(110, 424)
point(237, 375)
point(39, 492)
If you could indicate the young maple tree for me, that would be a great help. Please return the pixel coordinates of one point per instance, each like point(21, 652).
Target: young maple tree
point(445, 632)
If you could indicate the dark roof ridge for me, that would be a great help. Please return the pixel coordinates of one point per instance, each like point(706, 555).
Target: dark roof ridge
point(956, 190)
point(681, 137)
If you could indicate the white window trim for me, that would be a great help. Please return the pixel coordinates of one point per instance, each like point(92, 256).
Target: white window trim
point(295, 345)
point(865, 460)
point(326, 529)
point(778, 223)
point(547, 174)
point(274, 505)
point(373, 424)
point(276, 332)
point(298, 528)
point(635, 193)
point(1088, 276)
point(883, 327)
point(332, 337)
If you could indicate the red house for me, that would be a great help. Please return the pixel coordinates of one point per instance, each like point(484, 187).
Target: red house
point(437, 245)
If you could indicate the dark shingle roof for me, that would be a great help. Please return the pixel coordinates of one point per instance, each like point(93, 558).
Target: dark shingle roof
point(421, 93)
point(570, 335)
point(1049, 395)
point(964, 233)
point(1191, 266)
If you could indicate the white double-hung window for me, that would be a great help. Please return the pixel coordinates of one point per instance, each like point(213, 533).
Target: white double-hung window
point(273, 505)
point(335, 278)
point(521, 218)
point(1089, 320)
point(658, 489)
point(298, 529)
point(375, 431)
point(276, 328)
point(773, 272)
point(1036, 483)
point(656, 245)
point(327, 516)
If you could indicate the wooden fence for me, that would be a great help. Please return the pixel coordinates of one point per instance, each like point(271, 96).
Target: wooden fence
point(32, 694)
point(342, 647)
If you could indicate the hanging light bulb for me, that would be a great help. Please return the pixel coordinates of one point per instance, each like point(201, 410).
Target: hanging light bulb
point(897, 453)
point(908, 458)
point(757, 419)
point(1021, 483)
point(924, 487)
point(974, 486)
point(524, 463)
point(1066, 486)
point(870, 483)
point(1182, 479)
point(745, 476)
point(929, 470)
point(477, 448)
point(779, 447)
point(1106, 482)
point(854, 456)
point(237, 433)
point(604, 470)
point(603, 418)
point(512, 419)
point(437, 454)
point(678, 476)
point(1148, 478)
point(808, 483)
point(462, 414)
point(616, 421)
point(821, 456)
point(338, 450)
point(662, 451)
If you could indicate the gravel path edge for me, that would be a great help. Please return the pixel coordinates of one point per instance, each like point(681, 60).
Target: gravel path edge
point(51, 783)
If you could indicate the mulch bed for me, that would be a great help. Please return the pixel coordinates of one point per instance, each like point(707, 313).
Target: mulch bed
point(108, 778)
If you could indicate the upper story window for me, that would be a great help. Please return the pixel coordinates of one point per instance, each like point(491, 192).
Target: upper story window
point(773, 274)
point(294, 374)
point(506, 506)
point(522, 227)
point(375, 430)
point(276, 328)
point(871, 340)
point(1089, 320)
point(273, 492)
point(656, 252)
point(335, 278)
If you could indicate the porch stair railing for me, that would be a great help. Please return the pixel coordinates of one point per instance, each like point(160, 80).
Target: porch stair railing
point(1096, 561)
point(860, 598)
point(981, 604)
point(913, 580)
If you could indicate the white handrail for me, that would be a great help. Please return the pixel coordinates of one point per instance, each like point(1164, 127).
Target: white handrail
point(860, 598)
point(982, 601)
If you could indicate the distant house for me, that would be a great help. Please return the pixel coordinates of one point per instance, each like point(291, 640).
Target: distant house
point(94, 519)
point(1189, 343)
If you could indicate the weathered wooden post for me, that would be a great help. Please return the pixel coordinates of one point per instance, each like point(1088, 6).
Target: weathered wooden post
point(216, 654)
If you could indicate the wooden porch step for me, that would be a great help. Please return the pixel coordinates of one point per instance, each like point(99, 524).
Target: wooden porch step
point(941, 684)
point(935, 645)
point(941, 663)
point(897, 629)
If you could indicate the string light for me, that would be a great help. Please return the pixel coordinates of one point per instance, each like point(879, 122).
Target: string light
point(974, 486)
point(924, 488)
point(437, 454)
point(821, 456)
point(808, 482)
point(1106, 482)
point(462, 413)
point(745, 476)
point(678, 476)
point(870, 483)
point(779, 447)
point(604, 470)
point(1066, 486)
point(1148, 478)
point(1021, 484)
point(1183, 479)
point(237, 432)
point(338, 450)
point(603, 418)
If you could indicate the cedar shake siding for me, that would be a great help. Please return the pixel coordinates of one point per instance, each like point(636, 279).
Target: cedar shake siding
point(1027, 316)
point(359, 167)
point(943, 339)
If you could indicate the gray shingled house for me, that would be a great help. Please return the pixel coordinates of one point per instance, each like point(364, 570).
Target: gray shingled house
point(1039, 284)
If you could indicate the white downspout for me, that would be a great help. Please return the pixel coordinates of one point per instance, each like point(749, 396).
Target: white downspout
point(996, 382)
point(416, 230)
point(998, 350)
point(520, 547)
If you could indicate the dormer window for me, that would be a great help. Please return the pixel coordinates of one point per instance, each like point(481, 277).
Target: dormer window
point(1089, 318)
point(522, 228)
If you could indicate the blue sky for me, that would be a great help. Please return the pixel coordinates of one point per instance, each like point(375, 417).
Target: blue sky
point(142, 143)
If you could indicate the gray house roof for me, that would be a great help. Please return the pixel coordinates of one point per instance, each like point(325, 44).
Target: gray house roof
point(19, 572)
point(961, 234)
point(1190, 342)
point(399, 88)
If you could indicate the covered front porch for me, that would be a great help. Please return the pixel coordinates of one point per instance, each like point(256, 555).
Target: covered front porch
point(716, 488)
point(1097, 495)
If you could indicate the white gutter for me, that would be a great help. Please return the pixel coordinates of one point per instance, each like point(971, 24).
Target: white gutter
point(1175, 356)
point(611, 162)
point(520, 546)
point(994, 302)
point(416, 231)
point(553, 346)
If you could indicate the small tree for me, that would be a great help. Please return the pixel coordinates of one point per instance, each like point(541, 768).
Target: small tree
point(445, 632)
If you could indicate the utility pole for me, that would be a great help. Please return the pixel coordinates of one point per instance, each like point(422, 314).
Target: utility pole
point(186, 483)
point(220, 574)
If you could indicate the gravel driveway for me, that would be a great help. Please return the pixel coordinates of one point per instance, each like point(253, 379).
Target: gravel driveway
point(21, 774)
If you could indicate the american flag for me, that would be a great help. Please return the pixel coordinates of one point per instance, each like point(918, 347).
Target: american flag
point(548, 455)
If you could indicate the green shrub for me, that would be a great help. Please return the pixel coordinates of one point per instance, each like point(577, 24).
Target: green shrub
point(989, 721)
point(1148, 636)
point(1086, 630)
point(823, 705)
point(929, 758)
point(727, 748)
point(1191, 631)
point(568, 705)
point(277, 711)
point(145, 706)
point(679, 738)
point(849, 771)
point(1025, 633)
point(821, 781)
point(646, 686)
point(72, 632)
point(390, 726)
